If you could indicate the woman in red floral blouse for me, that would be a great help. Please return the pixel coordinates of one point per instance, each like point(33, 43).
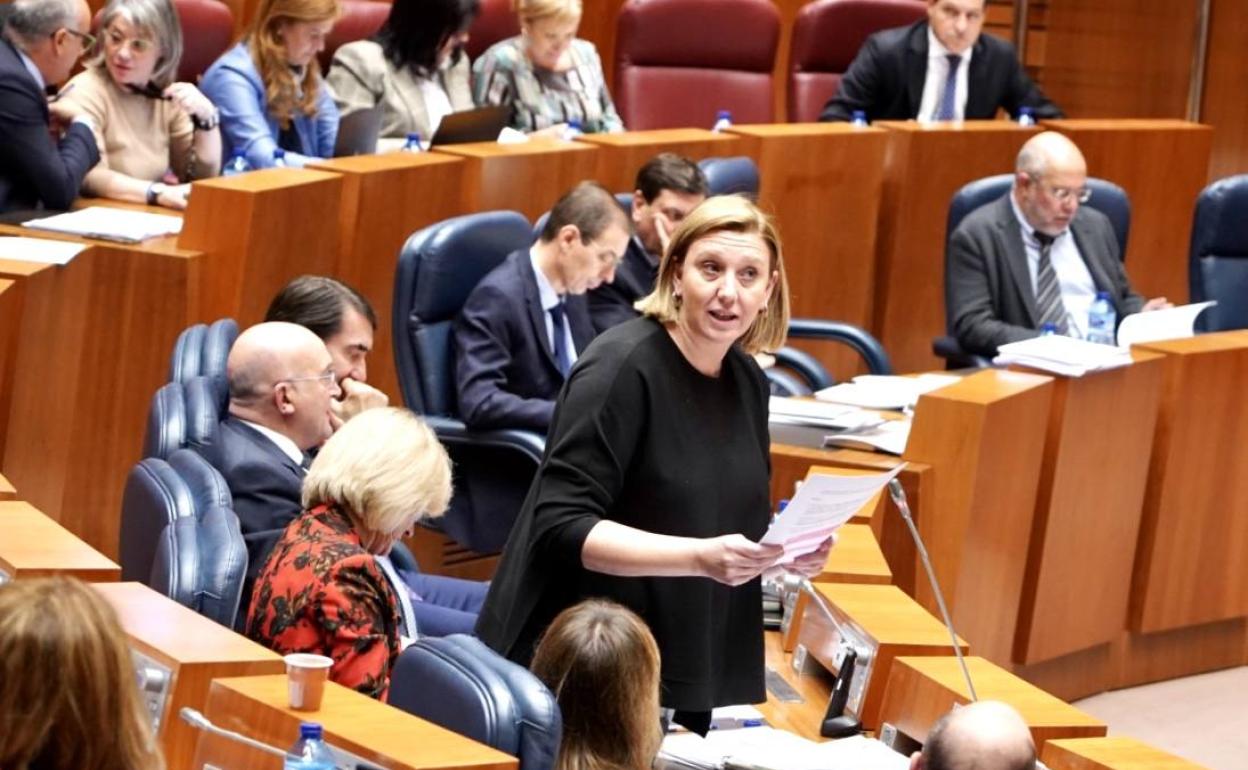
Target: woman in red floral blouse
point(322, 589)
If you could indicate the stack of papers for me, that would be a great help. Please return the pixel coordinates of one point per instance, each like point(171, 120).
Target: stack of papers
point(887, 436)
point(874, 391)
point(1062, 355)
point(110, 224)
point(1170, 324)
point(822, 504)
point(40, 250)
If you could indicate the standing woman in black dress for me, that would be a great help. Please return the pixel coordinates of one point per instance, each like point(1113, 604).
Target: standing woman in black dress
point(654, 488)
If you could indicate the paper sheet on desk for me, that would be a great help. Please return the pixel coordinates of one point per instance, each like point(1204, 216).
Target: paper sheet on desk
point(41, 250)
point(110, 224)
point(822, 504)
point(1173, 323)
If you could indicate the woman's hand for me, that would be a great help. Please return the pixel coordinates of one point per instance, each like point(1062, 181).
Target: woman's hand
point(734, 559)
point(192, 101)
point(811, 564)
point(174, 196)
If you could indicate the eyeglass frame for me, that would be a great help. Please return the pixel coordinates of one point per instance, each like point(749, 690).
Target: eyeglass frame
point(325, 378)
point(89, 41)
point(1063, 194)
point(147, 44)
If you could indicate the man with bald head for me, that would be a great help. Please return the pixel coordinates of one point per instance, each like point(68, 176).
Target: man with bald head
point(987, 735)
point(1035, 255)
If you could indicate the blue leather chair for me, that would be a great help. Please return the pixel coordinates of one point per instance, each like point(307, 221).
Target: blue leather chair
point(202, 350)
point(438, 267)
point(736, 175)
point(811, 375)
point(1107, 198)
point(180, 536)
point(1218, 263)
point(185, 414)
point(481, 695)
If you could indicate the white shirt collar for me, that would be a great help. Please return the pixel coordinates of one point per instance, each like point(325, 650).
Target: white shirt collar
point(29, 64)
point(937, 50)
point(284, 443)
point(1029, 232)
point(545, 292)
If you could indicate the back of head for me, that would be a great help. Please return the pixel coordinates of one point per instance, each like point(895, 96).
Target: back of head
point(602, 664)
point(155, 19)
point(531, 11)
point(317, 302)
point(986, 735)
point(415, 30)
point(588, 206)
point(669, 171)
point(68, 698)
point(31, 21)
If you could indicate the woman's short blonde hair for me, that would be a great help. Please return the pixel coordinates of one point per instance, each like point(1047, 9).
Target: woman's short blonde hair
point(386, 467)
point(531, 11)
point(156, 18)
point(284, 95)
point(68, 697)
point(731, 213)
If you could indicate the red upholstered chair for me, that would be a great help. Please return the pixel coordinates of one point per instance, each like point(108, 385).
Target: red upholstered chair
point(677, 62)
point(207, 31)
point(360, 19)
point(826, 36)
point(496, 21)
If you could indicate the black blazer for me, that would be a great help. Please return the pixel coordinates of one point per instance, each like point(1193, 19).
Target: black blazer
point(886, 78)
point(34, 170)
point(505, 367)
point(612, 303)
point(988, 293)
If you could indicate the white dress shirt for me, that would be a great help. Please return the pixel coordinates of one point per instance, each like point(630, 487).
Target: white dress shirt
point(284, 443)
point(937, 72)
point(549, 298)
point(1074, 280)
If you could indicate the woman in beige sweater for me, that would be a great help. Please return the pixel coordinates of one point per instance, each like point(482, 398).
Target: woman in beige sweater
point(154, 135)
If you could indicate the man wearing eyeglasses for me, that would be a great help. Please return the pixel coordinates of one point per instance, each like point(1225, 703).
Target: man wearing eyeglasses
point(1035, 256)
point(42, 41)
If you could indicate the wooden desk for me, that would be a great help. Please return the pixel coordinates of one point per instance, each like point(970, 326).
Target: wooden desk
point(620, 156)
point(256, 706)
point(1162, 164)
point(386, 198)
point(814, 687)
point(195, 649)
point(857, 558)
point(822, 182)
point(7, 490)
point(33, 545)
point(1115, 753)
point(923, 689)
point(527, 177)
point(924, 166)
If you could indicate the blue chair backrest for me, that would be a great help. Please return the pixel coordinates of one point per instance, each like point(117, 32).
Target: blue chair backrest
point(1218, 261)
point(479, 694)
point(185, 414)
point(202, 349)
point(439, 267)
point(736, 175)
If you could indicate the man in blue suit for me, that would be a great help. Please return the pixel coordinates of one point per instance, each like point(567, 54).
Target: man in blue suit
point(526, 323)
point(42, 41)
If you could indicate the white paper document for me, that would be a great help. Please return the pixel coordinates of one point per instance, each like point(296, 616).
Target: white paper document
point(39, 250)
point(1062, 355)
point(822, 504)
point(806, 411)
point(887, 436)
point(875, 391)
point(109, 224)
point(1170, 324)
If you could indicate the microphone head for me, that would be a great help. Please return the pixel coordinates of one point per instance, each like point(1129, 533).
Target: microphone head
point(194, 718)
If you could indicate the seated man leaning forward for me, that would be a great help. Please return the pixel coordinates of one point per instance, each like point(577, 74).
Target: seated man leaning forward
point(526, 323)
point(986, 735)
point(1035, 255)
point(668, 187)
point(282, 389)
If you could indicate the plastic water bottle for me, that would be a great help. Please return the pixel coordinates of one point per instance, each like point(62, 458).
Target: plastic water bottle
point(310, 751)
point(236, 165)
point(572, 130)
point(1026, 117)
point(858, 119)
point(1102, 320)
point(1048, 330)
point(723, 121)
point(413, 143)
point(279, 157)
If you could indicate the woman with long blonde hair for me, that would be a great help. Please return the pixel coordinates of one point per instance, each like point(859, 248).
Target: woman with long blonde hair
point(68, 696)
point(269, 87)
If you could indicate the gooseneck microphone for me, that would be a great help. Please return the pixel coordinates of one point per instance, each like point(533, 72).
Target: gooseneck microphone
point(201, 722)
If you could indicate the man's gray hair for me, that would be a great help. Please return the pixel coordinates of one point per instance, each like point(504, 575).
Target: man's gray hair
point(31, 20)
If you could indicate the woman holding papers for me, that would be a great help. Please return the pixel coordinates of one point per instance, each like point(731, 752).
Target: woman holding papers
point(654, 487)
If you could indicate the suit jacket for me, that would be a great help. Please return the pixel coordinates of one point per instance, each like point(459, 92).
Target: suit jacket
point(33, 169)
point(361, 77)
point(989, 298)
point(612, 303)
point(886, 78)
point(504, 365)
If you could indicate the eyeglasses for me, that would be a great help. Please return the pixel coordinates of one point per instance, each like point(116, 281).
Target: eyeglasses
point(326, 379)
point(88, 40)
point(114, 40)
point(1064, 194)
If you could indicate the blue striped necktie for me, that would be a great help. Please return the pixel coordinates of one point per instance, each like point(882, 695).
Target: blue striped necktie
point(947, 110)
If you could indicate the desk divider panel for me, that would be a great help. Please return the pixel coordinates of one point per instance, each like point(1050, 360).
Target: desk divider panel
point(7, 490)
point(10, 324)
point(621, 155)
point(1116, 753)
point(33, 545)
point(526, 177)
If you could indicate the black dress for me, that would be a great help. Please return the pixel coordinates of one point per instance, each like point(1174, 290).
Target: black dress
point(642, 438)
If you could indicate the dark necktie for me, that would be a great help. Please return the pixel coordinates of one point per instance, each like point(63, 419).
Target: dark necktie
point(946, 110)
point(1049, 306)
point(563, 358)
point(306, 462)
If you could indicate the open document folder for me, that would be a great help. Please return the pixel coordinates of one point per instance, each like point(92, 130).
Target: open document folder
point(822, 504)
point(109, 224)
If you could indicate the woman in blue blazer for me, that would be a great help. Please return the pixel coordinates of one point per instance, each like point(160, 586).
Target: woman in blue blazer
point(269, 88)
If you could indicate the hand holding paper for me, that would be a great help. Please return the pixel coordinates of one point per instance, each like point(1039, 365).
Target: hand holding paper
point(822, 504)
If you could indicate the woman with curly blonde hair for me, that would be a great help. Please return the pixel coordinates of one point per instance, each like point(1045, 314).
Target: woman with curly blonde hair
point(269, 87)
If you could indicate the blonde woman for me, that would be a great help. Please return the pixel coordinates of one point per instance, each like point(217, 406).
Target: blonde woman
point(68, 698)
point(547, 75)
point(602, 664)
point(327, 587)
point(269, 87)
point(654, 488)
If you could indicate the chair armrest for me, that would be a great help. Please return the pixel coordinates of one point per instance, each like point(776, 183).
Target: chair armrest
point(948, 348)
point(867, 346)
point(806, 366)
point(453, 431)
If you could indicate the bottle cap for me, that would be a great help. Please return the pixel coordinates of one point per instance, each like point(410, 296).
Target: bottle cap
point(413, 136)
point(310, 730)
point(859, 115)
point(1102, 295)
point(278, 153)
point(723, 115)
point(1047, 329)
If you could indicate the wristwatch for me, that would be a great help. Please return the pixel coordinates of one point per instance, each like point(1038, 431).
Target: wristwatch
point(154, 191)
point(206, 124)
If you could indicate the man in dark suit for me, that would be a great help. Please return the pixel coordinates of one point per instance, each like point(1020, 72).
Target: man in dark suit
point(524, 325)
point(1035, 256)
point(668, 187)
point(42, 41)
point(941, 68)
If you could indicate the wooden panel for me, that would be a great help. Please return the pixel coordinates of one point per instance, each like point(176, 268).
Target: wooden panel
point(1193, 546)
point(985, 437)
point(256, 706)
point(857, 558)
point(7, 490)
point(1070, 677)
point(33, 545)
point(439, 554)
point(1117, 753)
point(923, 689)
point(196, 650)
point(621, 155)
point(527, 177)
point(814, 687)
point(924, 166)
point(10, 327)
point(1162, 190)
point(386, 198)
point(1083, 536)
point(1225, 98)
point(260, 230)
point(1156, 657)
point(823, 182)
